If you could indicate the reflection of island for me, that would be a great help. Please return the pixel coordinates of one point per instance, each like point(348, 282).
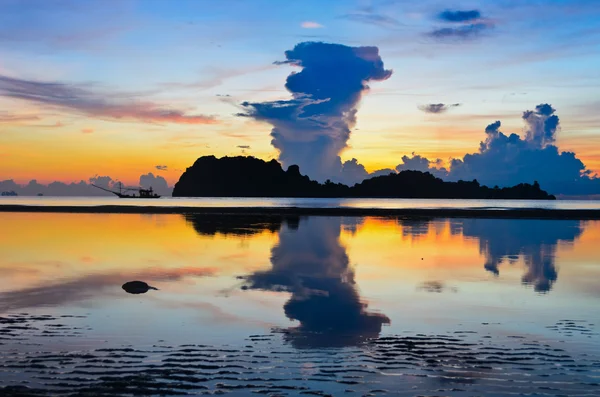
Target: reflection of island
point(535, 240)
point(252, 177)
point(239, 225)
point(311, 263)
point(414, 227)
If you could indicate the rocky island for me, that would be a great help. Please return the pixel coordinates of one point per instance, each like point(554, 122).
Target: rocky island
point(248, 176)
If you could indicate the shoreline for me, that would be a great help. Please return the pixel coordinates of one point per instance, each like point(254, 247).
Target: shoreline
point(514, 213)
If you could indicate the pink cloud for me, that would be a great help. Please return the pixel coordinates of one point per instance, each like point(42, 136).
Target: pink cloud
point(81, 100)
point(311, 25)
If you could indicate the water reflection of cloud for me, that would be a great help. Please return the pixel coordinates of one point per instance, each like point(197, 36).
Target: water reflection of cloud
point(507, 240)
point(351, 224)
point(311, 263)
point(87, 287)
point(535, 240)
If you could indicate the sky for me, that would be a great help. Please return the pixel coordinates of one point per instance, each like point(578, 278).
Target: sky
point(124, 88)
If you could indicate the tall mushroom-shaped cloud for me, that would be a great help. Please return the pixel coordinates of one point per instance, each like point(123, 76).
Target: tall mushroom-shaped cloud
point(313, 127)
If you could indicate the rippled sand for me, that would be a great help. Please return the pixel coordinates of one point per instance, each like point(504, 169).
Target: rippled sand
point(459, 363)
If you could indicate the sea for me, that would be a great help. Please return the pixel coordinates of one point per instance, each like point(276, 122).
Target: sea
point(284, 305)
point(270, 202)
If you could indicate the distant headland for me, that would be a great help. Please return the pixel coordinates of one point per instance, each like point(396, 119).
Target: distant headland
point(252, 177)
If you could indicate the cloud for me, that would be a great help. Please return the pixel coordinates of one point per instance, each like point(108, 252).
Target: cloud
point(438, 107)
point(382, 172)
point(16, 118)
point(352, 172)
point(311, 25)
point(509, 159)
point(461, 32)
point(313, 127)
point(371, 18)
point(465, 24)
point(103, 181)
point(506, 160)
point(161, 167)
point(243, 146)
point(157, 183)
point(542, 125)
point(82, 188)
point(87, 130)
point(419, 163)
point(81, 100)
point(459, 16)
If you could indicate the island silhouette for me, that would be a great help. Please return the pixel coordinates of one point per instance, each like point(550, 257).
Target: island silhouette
point(247, 176)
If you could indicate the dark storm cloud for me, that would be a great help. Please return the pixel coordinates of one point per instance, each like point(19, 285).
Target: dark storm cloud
point(459, 16)
point(313, 266)
point(83, 100)
point(509, 159)
point(436, 108)
point(460, 32)
point(313, 127)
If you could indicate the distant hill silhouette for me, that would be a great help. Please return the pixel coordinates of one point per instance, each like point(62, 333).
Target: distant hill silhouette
point(251, 177)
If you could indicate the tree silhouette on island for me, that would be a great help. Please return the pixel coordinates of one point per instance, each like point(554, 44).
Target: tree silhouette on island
point(251, 177)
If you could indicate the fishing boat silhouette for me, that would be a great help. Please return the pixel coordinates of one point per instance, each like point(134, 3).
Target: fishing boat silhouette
point(142, 193)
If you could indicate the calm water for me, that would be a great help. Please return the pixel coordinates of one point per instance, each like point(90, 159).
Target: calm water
point(302, 202)
point(293, 306)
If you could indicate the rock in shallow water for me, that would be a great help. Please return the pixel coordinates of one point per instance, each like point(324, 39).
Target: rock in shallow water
point(137, 287)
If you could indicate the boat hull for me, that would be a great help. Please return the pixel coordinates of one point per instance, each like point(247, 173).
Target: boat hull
point(136, 197)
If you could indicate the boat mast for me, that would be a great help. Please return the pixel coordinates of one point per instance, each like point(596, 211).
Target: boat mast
point(106, 190)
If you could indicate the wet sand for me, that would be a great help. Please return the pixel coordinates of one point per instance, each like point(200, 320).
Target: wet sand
point(452, 363)
point(513, 213)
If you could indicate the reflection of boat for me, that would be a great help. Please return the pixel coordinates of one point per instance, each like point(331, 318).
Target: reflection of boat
point(142, 193)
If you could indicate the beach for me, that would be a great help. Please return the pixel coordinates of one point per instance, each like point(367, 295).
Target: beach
point(512, 213)
point(296, 301)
